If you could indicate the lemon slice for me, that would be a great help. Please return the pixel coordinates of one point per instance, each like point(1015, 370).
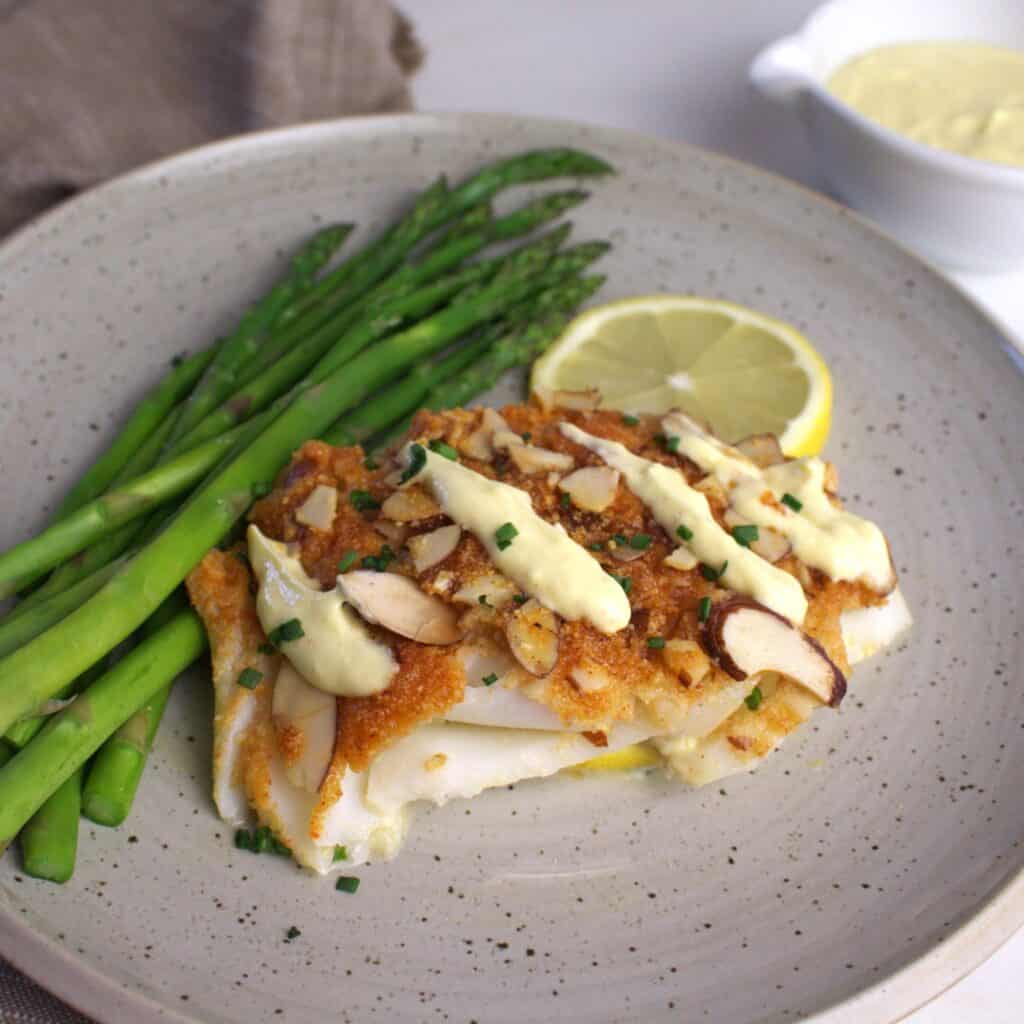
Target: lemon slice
point(738, 370)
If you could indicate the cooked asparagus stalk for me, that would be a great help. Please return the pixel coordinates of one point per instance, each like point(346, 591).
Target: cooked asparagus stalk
point(49, 840)
point(71, 736)
point(218, 378)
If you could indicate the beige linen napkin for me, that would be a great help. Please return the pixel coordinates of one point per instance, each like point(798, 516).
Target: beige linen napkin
point(94, 87)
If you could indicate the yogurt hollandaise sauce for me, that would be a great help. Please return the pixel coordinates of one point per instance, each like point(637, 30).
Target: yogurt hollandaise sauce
point(674, 503)
point(335, 652)
point(964, 97)
point(842, 545)
point(539, 556)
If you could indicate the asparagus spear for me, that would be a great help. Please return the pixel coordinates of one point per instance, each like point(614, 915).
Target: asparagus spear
point(49, 840)
point(355, 334)
point(114, 509)
point(456, 378)
point(27, 623)
point(71, 736)
point(146, 417)
point(6, 752)
point(523, 168)
point(49, 662)
point(251, 330)
point(391, 298)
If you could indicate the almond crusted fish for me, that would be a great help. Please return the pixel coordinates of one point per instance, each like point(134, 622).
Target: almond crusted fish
point(511, 593)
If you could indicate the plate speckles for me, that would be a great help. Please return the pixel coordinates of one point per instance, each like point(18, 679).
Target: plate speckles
point(868, 843)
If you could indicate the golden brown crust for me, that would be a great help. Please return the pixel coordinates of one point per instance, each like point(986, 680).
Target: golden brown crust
point(665, 601)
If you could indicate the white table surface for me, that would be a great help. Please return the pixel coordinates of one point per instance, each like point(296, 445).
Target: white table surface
point(675, 68)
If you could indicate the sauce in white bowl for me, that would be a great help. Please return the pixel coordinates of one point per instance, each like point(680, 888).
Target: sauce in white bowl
point(964, 211)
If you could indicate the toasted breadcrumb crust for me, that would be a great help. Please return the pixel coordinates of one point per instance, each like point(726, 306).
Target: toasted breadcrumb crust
point(597, 679)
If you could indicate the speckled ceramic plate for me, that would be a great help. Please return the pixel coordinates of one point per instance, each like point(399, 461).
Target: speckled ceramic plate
point(863, 869)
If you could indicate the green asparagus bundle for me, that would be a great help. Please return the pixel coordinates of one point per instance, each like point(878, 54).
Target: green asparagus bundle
point(126, 701)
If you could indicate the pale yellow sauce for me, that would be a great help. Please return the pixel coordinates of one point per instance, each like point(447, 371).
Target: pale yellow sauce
point(673, 502)
point(541, 559)
point(336, 653)
point(842, 545)
point(964, 97)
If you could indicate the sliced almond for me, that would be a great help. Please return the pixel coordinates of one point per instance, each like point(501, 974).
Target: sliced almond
point(589, 679)
point(430, 549)
point(477, 445)
point(397, 603)
point(590, 398)
point(770, 544)
point(502, 439)
point(682, 559)
point(746, 638)
point(496, 589)
point(625, 552)
point(492, 420)
point(763, 450)
point(318, 510)
point(676, 421)
point(305, 725)
point(532, 634)
point(592, 488)
point(529, 459)
point(686, 659)
point(831, 480)
point(393, 533)
point(409, 505)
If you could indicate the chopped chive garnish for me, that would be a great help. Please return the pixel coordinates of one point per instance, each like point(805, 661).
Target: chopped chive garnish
point(380, 561)
point(526, 435)
point(444, 449)
point(640, 541)
point(292, 933)
point(286, 633)
point(243, 840)
point(620, 538)
point(794, 503)
point(745, 535)
point(370, 463)
point(713, 574)
point(267, 648)
point(504, 535)
point(489, 680)
point(754, 698)
point(684, 533)
point(564, 500)
point(347, 560)
point(596, 546)
point(347, 883)
point(672, 443)
point(656, 642)
point(340, 853)
point(704, 609)
point(630, 421)
point(520, 599)
point(660, 439)
point(363, 501)
point(482, 599)
point(417, 460)
point(250, 678)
